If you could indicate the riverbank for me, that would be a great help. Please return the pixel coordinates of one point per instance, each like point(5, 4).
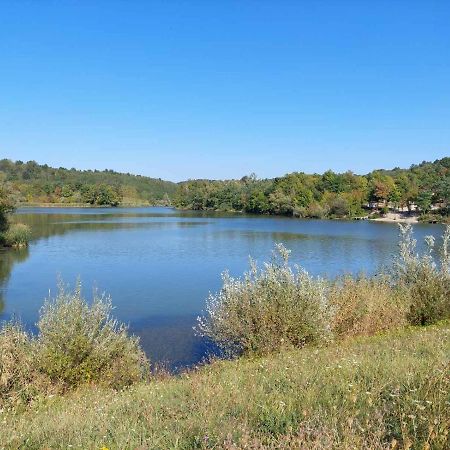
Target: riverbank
point(378, 392)
point(388, 218)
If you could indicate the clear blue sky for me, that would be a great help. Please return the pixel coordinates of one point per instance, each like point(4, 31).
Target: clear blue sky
point(220, 89)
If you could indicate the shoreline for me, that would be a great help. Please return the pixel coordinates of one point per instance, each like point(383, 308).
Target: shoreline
point(389, 218)
point(397, 219)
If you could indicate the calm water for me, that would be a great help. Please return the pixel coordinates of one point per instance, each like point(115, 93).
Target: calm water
point(159, 264)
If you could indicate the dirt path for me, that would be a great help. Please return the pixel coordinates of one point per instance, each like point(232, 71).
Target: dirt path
point(397, 218)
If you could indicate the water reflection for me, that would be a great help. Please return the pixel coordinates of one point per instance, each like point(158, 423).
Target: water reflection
point(169, 340)
point(48, 225)
point(8, 257)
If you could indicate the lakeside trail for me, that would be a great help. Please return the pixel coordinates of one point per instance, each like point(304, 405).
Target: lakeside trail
point(385, 391)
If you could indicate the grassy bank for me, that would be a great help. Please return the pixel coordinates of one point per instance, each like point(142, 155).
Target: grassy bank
point(389, 391)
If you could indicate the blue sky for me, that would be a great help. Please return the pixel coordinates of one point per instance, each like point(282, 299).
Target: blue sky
point(220, 89)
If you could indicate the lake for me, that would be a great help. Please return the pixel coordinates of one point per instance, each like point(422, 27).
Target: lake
point(159, 264)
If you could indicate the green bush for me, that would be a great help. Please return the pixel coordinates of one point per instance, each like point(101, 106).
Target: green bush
point(17, 235)
point(81, 343)
point(423, 280)
point(77, 343)
point(267, 309)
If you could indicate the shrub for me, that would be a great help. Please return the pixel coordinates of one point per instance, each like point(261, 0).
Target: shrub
point(365, 306)
point(425, 282)
point(339, 207)
point(77, 343)
point(17, 235)
point(80, 343)
point(316, 211)
point(278, 306)
point(266, 309)
point(16, 366)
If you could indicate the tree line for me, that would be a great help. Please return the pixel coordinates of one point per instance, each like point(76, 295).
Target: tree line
point(30, 182)
point(424, 187)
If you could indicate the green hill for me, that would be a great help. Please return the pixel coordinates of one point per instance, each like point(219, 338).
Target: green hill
point(33, 183)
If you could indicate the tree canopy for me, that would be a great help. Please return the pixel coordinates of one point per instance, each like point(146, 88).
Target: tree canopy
point(425, 186)
point(328, 195)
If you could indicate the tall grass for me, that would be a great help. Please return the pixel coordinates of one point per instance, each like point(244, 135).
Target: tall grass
point(17, 235)
point(365, 306)
point(20, 381)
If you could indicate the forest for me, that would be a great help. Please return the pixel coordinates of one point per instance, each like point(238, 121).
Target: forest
point(424, 188)
point(32, 183)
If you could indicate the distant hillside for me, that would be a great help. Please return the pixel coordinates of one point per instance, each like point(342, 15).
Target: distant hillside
point(31, 182)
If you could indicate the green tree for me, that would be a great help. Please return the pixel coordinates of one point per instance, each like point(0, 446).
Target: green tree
point(6, 207)
point(395, 196)
point(424, 201)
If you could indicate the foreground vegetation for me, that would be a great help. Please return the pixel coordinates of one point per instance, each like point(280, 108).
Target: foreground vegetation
point(76, 344)
point(277, 306)
point(425, 187)
point(323, 364)
point(387, 391)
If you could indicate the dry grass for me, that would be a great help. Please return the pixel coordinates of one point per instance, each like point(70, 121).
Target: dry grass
point(387, 391)
point(366, 306)
point(19, 379)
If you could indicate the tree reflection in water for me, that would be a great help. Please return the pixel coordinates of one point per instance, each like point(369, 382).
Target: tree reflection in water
point(8, 257)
